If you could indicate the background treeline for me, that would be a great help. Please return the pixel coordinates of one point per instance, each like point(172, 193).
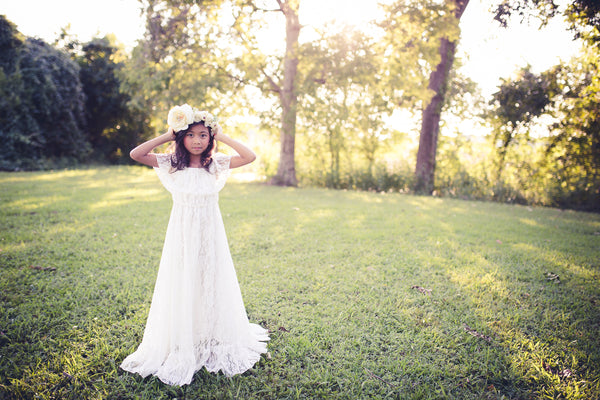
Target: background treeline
point(320, 108)
point(63, 106)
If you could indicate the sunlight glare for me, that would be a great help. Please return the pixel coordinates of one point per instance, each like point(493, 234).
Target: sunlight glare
point(317, 13)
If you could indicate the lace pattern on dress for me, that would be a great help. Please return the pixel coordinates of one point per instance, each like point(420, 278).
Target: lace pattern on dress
point(163, 160)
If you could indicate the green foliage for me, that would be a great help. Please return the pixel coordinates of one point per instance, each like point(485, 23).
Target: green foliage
point(583, 15)
point(520, 100)
point(514, 108)
point(382, 176)
point(525, 9)
point(567, 174)
point(113, 128)
point(410, 44)
point(62, 107)
point(573, 153)
point(180, 60)
point(463, 97)
point(342, 105)
point(366, 295)
point(461, 167)
point(42, 116)
point(10, 43)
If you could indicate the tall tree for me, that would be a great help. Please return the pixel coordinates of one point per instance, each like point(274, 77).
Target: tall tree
point(185, 34)
point(430, 121)
point(273, 74)
point(420, 40)
point(286, 172)
point(342, 104)
point(106, 104)
point(179, 60)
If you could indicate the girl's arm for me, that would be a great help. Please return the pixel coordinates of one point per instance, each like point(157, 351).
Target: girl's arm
point(142, 153)
point(245, 155)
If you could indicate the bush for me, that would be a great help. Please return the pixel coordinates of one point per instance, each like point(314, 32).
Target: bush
point(42, 113)
point(383, 177)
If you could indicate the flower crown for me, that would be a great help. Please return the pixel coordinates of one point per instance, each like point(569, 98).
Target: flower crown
point(180, 117)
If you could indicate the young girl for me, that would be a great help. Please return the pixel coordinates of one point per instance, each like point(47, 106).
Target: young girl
point(197, 317)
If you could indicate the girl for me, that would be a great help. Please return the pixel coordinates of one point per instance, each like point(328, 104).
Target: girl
point(197, 317)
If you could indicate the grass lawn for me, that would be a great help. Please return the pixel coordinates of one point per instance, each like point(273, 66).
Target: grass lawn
point(366, 295)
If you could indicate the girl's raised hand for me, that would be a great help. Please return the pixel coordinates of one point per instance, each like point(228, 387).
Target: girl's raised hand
point(171, 134)
point(244, 154)
point(218, 132)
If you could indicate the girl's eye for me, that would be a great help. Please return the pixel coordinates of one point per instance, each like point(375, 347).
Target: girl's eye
point(190, 135)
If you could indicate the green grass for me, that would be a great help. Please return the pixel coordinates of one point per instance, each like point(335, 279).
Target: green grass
point(509, 306)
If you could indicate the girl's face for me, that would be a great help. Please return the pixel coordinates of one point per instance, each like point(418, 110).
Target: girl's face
point(196, 139)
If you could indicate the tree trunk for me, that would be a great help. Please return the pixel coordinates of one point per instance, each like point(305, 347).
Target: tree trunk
point(430, 123)
point(286, 172)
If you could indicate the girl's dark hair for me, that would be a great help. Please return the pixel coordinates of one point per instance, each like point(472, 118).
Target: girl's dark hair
point(181, 158)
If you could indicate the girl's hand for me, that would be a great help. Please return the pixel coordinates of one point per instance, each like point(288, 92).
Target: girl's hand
point(218, 132)
point(244, 154)
point(171, 134)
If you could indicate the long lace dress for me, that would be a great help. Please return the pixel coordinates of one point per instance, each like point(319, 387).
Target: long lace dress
point(197, 316)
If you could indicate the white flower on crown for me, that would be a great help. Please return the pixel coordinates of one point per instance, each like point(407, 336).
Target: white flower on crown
point(210, 121)
point(180, 117)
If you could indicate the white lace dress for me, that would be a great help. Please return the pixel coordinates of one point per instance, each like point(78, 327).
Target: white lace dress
point(197, 316)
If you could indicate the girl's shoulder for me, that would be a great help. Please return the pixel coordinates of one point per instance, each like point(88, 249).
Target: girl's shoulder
point(164, 160)
point(221, 161)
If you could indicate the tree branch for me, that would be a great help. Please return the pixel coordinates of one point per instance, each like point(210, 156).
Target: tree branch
point(274, 86)
point(257, 8)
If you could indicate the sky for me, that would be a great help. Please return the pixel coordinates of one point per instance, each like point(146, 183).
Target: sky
point(488, 52)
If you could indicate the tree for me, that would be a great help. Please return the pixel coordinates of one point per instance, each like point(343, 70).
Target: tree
point(570, 94)
point(43, 104)
point(106, 105)
point(573, 153)
point(420, 41)
point(181, 59)
point(114, 123)
point(272, 74)
point(430, 121)
point(286, 172)
point(516, 104)
point(182, 33)
point(342, 100)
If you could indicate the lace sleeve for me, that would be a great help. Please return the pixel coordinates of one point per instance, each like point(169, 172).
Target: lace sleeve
point(164, 170)
point(221, 162)
point(164, 161)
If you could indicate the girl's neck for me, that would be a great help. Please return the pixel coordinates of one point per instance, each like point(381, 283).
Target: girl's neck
point(195, 161)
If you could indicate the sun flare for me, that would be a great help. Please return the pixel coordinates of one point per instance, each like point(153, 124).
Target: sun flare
point(318, 13)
